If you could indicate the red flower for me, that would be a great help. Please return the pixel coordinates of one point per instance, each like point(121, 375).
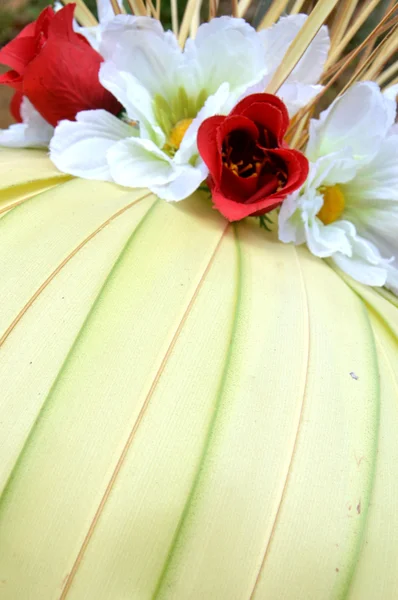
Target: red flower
point(15, 106)
point(251, 169)
point(56, 68)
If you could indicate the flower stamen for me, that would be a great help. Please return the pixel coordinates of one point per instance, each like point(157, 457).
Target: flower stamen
point(333, 204)
point(176, 135)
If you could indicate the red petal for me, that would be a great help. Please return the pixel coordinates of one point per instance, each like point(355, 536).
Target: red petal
point(233, 211)
point(28, 31)
point(63, 80)
point(268, 185)
point(234, 123)
point(18, 53)
point(265, 206)
point(297, 168)
point(62, 25)
point(264, 100)
point(239, 189)
point(233, 185)
point(22, 49)
point(15, 106)
point(297, 172)
point(207, 145)
point(44, 20)
point(269, 117)
point(12, 79)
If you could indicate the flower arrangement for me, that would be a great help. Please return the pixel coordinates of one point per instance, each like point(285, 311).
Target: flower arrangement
point(130, 106)
point(199, 330)
point(172, 119)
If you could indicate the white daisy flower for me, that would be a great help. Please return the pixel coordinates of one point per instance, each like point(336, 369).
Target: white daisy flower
point(348, 208)
point(33, 132)
point(168, 92)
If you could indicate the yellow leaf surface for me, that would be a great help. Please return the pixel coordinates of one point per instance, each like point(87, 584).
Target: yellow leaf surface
point(189, 409)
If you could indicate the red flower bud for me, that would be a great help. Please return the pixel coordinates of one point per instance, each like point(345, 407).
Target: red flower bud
point(56, 68)
point(251, 169)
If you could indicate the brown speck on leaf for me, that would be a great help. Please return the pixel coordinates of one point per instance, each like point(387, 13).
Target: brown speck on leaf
point(337, 570)
point(359, 507)
point(359, 460)
point(350, 507)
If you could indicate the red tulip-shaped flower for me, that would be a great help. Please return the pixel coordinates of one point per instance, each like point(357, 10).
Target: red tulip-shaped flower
point(56, 68)
point(251, 169)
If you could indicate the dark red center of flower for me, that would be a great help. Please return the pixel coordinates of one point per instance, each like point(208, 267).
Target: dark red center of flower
point(248, 157)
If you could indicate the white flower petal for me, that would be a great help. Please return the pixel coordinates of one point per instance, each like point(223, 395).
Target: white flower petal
point(290, 221)
point(105, 10)
point(33, 132)
point(92, 34)
point(337, 167)
point(392, 277)
point(359, 120)
point(293, 93)
point(80, 147)
point(138, 46)
point(278, 38)
point(215, 26)
point(372, 201)
point(121, 29)
point(327, 240)
point(257, 88)
point(135, 98)
point(225, 50)
point(296, 95)
point(366, 264)
point(360, 270)
point(16, 137)
point(187, 180)
point(392, 92)
point(379, 179)
point(380, 226)
point(215, 104)
point(136, 162)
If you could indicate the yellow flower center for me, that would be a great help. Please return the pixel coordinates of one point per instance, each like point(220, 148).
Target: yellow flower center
point(333, 204)
point(177, 133)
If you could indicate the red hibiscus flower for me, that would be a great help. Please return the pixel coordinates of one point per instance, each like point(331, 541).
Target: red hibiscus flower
point(55, 68)
point(251, 169)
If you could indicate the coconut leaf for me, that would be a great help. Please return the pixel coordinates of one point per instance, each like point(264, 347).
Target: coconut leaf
point(187, 407)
